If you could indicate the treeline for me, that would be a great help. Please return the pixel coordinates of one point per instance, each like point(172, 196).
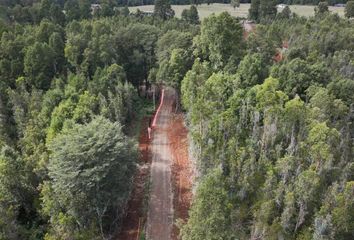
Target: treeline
point(58, 11)
point(61, 11)
point(197, 2)
point(120, 3)
point(273, 138)
point(69, 98)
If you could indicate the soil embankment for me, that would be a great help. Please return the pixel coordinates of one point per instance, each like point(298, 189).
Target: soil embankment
point(182, 171)
point(136, 214)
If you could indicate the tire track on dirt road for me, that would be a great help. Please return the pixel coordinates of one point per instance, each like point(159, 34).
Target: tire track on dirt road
point(160, 212)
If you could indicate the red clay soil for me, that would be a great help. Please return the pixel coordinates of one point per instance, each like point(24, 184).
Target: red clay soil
point(181, 171)
point(135, 219)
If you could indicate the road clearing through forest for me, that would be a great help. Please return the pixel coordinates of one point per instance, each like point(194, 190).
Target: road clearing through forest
point(160, 210)
point(135, 219)
point(164, 160)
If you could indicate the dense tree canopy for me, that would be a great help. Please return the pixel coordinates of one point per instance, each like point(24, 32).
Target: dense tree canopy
point(91, 169)
point(191, 15)
point(349, 9)
point(220, 41)
point(269, 114)
point(163, 9)
point(273, 139)
point(321, 9)
point(66, 79)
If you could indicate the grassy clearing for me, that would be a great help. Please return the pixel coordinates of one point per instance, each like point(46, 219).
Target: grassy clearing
point(206, 10)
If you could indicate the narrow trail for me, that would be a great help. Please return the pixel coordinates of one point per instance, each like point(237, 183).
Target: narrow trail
point(160, 211)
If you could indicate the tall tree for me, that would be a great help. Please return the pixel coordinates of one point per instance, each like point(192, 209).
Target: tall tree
point(285, 13)
point(72, 10)
point(91, 168)
point(349, 9)
point(45, 8)
point(235, 3)
point(252, 70)
point(39, 65)
point(163, 9)
point(210, 211)
point(267, 10)
point(191, 15)
point(253, 12)
point(321, 8)
point(56, 42)
point(107, 8)
point(56, 14)
point(221, 40)
point(85, 9)
point(16, 195)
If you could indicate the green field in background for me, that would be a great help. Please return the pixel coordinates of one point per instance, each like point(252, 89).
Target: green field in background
point(205, 10)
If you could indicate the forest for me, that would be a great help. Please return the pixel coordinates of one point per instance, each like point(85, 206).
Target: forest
point(273, 138)
point(270, 117)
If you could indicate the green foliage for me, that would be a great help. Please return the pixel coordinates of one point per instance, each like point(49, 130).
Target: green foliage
point(267, 10)
point(191, 15)
point(56, 14)
point(342, 215)
point(138, 51)
point(60, 114)
point(39, 65)
point(210, 212)
point(321, 9)
point(72, 10)
point(253, 12)
point(175, 58)
point(16, 194)
point(281, 141)
point(235, 3)
point(107, 8)
point(171, 40)
point(272, 136)
point(193, 80)
point(262, 10)
point(125, 11)
point(163, 9)
point(349, 9)
point(173, 70)
point(298, 75)
point(105, 80)
point(335, 218)
point(91, 179)
point(220, 41)
point(56, 42)
point(285, 13)
point(85, 9)
point(252, 70)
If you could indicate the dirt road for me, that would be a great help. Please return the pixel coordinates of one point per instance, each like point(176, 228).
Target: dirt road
point(160, 212)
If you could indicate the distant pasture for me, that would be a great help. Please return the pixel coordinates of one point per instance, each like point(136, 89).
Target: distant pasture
point(205, 10)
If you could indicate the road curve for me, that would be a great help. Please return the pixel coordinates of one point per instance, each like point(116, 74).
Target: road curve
point(160, 212)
